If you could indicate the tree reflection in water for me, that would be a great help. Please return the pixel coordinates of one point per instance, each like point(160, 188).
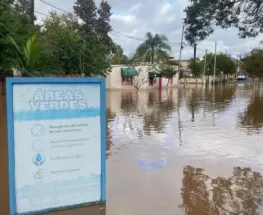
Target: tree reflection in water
point(210, 100)
point(109, 117)
point(238, 194)
point(252, 118)
point(162, 108)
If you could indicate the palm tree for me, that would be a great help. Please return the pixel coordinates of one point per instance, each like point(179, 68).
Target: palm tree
point(154, 49)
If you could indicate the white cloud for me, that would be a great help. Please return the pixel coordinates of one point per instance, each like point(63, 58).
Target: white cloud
point(136, 17)
point(135, 7)
point(128, 19)
point(165, 8)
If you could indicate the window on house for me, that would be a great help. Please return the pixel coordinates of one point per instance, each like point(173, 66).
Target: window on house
point(127, 80)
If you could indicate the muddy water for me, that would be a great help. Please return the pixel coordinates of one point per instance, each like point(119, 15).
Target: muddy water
point(192, 150)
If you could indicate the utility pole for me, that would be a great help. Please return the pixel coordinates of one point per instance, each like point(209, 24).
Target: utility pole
point(204, 65)
point(195, 51)
point(180, 56)
point(215, 62)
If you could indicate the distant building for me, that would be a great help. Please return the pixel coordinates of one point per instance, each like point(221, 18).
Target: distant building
point(124, 78)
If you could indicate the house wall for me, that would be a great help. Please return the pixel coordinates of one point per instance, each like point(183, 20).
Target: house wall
point(114, 79)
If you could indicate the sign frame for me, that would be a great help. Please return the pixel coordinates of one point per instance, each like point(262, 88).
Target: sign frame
point(10, 129)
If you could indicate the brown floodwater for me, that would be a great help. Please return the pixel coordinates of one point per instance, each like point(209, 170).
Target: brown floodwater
point(186, 151)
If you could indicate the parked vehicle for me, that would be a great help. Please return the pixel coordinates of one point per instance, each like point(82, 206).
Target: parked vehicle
point(241, 76)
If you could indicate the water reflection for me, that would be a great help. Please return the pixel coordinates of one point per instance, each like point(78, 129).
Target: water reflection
point(155, 120)
point(109, 118)
point(155, 108)
point(239, 194)
point(213, 99)
point(252, 117)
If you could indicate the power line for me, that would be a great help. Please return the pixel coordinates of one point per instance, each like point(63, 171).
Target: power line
point(41, 13)
point(54, 6)
point(125, 35)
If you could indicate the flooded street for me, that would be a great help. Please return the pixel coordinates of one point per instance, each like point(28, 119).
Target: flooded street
point(190, 150)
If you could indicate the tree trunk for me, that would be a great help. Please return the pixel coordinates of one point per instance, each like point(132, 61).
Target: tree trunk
point(32, 11)
point(152, 55)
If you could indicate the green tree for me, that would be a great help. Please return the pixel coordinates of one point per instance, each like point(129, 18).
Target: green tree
point(96, 58)
point(224, 64)
point(86, 10)
point(119, 57)
point(33, 59)
point(195, 68)
point(15, 24)
point(202, 15)
point(60, 33)
point(26, 7)
point(168, 70)
point(74, 53)
point(103, 26)
point(154, 49)
point(253, 63)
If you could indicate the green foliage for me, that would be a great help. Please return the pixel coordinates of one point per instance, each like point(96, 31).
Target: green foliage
point(253, 63)
point(96, 21)
point(224, 63)
point(59, 33)
point(103, 26)
point(154, 49)
point(86, 10)
point(14, 24)
point(96, 60)
point(168, 70)
point(119, 57)
point(61, 41)
point(32, 59)
point(202, 15)
point(74, 53)
point(26, 7)
point(195, 67)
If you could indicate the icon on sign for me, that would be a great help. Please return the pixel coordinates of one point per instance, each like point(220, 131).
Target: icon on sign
point(38, 145)
point(39, 159)
point(39, 174)
point(38, 130)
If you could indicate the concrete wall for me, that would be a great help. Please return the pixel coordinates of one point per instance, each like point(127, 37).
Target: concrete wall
point(114, 79)
point(198, 80)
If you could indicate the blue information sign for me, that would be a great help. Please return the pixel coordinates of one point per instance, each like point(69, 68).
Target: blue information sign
point(57, 143)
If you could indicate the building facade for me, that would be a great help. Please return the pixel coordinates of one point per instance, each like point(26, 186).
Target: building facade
point(124, 78)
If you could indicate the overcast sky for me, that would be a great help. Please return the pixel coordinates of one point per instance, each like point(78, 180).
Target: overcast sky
point(137, 17)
